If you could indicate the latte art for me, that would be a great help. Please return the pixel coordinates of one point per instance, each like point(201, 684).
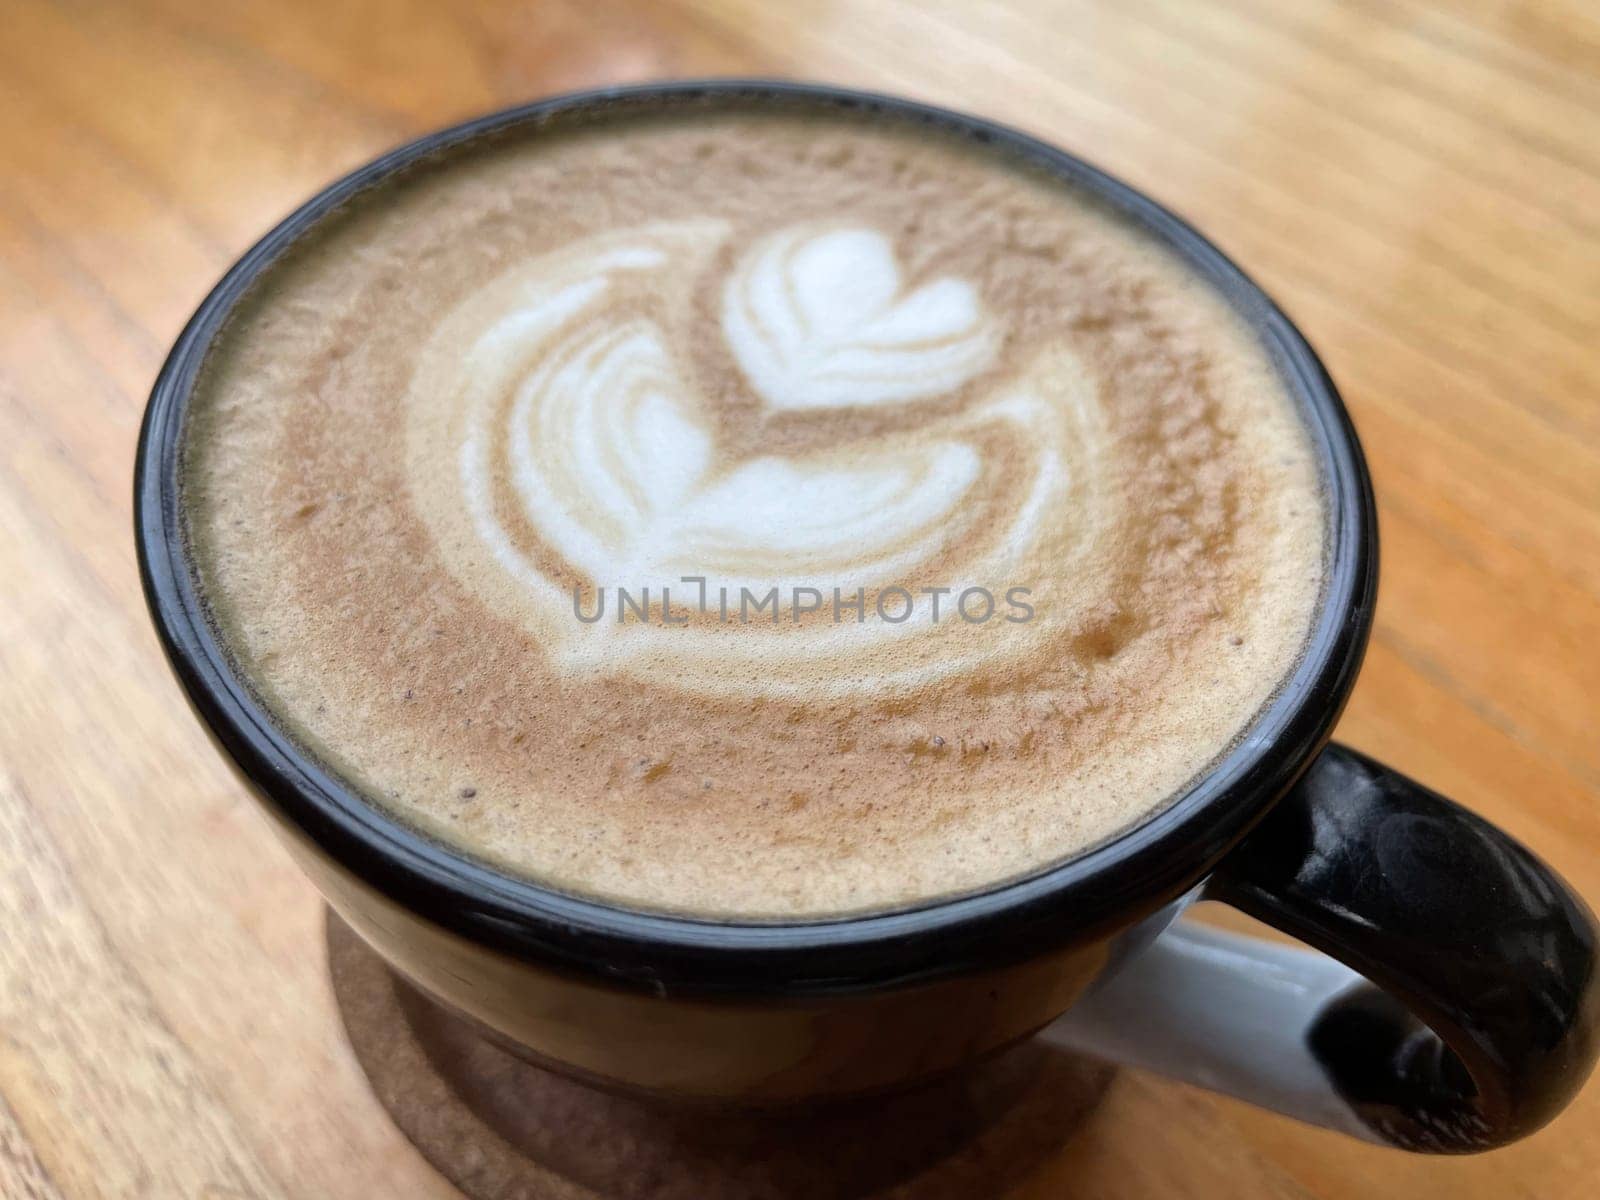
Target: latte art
point(819, 318)
point(749, 513)
point(585, 458)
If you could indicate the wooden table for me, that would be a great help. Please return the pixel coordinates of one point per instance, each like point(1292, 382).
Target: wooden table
point(1419, 185)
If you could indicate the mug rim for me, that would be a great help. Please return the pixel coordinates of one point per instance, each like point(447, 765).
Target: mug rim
point(1088, 895)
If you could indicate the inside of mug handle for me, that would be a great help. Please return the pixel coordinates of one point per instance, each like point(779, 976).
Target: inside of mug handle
point(1455, 1006)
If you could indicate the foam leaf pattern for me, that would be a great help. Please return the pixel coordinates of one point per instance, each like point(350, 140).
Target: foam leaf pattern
point(583, 453)
point(820, 318)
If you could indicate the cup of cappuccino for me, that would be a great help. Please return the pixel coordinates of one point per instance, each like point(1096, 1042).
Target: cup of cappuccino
point(762, 593)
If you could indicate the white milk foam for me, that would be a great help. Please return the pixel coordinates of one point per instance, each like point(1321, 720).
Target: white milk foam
point(578, 400)
point(807, 390)
point(820, 318)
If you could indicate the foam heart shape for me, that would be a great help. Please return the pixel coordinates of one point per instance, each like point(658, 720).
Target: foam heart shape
point(818, 318)
point(611, 459)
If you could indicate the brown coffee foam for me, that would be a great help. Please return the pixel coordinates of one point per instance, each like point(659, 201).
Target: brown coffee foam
point(1176, 623)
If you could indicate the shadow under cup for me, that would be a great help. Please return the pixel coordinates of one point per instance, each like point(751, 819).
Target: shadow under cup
point(778, 1012)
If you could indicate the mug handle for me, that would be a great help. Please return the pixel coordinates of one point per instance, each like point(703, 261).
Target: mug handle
point(1482, 1015)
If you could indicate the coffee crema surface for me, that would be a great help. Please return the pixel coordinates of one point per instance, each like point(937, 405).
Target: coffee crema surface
point(750, 513)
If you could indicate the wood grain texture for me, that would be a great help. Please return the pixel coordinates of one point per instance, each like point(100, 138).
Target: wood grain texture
point(1418, 183)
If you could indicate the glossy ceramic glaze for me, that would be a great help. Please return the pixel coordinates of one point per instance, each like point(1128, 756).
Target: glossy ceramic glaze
point(783, 1012)
point(756, 1049)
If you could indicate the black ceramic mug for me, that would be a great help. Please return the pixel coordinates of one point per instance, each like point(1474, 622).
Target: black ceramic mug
point(1457, 1012)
